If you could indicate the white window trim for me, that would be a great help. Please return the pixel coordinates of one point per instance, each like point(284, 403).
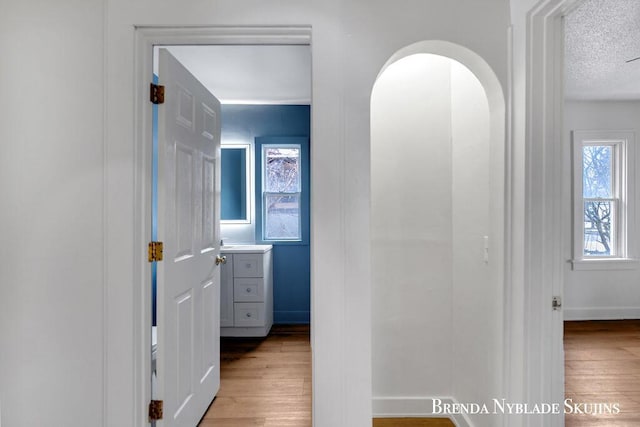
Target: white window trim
point(266, 193)
point(624, 142)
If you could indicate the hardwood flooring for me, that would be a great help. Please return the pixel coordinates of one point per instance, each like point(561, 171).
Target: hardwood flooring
point(412, 422)
point(602, 365)
point(265, 382)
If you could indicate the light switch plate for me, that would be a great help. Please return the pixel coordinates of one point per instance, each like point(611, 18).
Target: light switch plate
point(486, 249)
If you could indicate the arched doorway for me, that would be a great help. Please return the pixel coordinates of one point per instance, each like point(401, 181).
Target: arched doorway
point(437, 232)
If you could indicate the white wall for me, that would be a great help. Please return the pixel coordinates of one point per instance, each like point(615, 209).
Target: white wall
point(72, 190)
point(600, 294)
point(437, 328)
point(477, 285)
point(411, 226)
point(52, 259)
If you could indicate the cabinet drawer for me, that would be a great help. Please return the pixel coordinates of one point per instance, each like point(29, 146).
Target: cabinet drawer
point(247, 265)
point(248, 290)
point(248, 314)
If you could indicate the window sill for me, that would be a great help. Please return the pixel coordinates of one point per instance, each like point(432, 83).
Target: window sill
point(605, 264)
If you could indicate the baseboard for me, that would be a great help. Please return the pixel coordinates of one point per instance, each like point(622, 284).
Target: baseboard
point(596, 313)
point(400, 407)
point(291, 317)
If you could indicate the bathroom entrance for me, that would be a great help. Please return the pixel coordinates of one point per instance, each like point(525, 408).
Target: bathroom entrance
point(265, 92)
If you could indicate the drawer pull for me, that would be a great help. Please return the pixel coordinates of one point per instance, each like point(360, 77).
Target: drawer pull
point(248, 314)
point(248, 290)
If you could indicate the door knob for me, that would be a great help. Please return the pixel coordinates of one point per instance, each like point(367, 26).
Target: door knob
point(221, 259)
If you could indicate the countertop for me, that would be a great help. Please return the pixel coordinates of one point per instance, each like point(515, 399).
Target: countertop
point(238, 249)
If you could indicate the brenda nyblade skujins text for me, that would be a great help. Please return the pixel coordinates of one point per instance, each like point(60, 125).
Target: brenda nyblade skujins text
point(501, 406)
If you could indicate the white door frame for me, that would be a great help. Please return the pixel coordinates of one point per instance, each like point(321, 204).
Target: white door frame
point(543, 277)
point(146, 39)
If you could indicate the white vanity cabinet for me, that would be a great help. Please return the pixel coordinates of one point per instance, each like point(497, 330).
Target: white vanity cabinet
point(246, 292)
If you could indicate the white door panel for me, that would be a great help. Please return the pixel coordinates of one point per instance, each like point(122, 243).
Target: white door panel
point(188, 217)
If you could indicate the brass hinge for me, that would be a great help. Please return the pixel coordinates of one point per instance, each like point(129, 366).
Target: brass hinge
point(155, 410)
point(155, 251)
point(157, 94)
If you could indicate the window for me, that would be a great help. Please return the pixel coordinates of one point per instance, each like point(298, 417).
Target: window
point(601, 199)
point(281, 192)
point(601, 205)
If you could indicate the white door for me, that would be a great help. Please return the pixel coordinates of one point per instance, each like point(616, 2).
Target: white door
point(188, 358)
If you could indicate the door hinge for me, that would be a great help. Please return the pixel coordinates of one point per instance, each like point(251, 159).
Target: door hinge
point(155, 410)
point(556, 303)
point(155, 251)
point(156, 94)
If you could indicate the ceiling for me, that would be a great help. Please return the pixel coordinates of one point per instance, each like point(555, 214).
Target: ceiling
point(242, 74)
point(600, 35)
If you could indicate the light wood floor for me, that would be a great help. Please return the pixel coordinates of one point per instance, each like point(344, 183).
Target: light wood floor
point(602, 364)
point(267, 382)
point(412, 422)
point(264, 382)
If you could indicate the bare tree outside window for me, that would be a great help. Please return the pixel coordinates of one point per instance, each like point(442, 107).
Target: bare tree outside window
point(602, 164)
point(282, 189)
point(598, 189)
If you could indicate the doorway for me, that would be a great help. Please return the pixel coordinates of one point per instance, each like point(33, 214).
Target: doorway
point(283, 115)
point(600, 124)
point(545, 200)
point(437, 131)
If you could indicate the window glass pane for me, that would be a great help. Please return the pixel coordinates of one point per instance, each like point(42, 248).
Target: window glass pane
point(282, 170)
point(597, 168)
point(282, 217)
point(599, 228)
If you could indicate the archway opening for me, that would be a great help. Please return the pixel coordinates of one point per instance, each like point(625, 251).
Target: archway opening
point(437, 230)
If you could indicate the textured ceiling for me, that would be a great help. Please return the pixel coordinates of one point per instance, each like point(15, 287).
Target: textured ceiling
point(600, 35)
point(250, 74)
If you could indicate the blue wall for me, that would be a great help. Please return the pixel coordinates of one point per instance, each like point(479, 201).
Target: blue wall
point(291, 260)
